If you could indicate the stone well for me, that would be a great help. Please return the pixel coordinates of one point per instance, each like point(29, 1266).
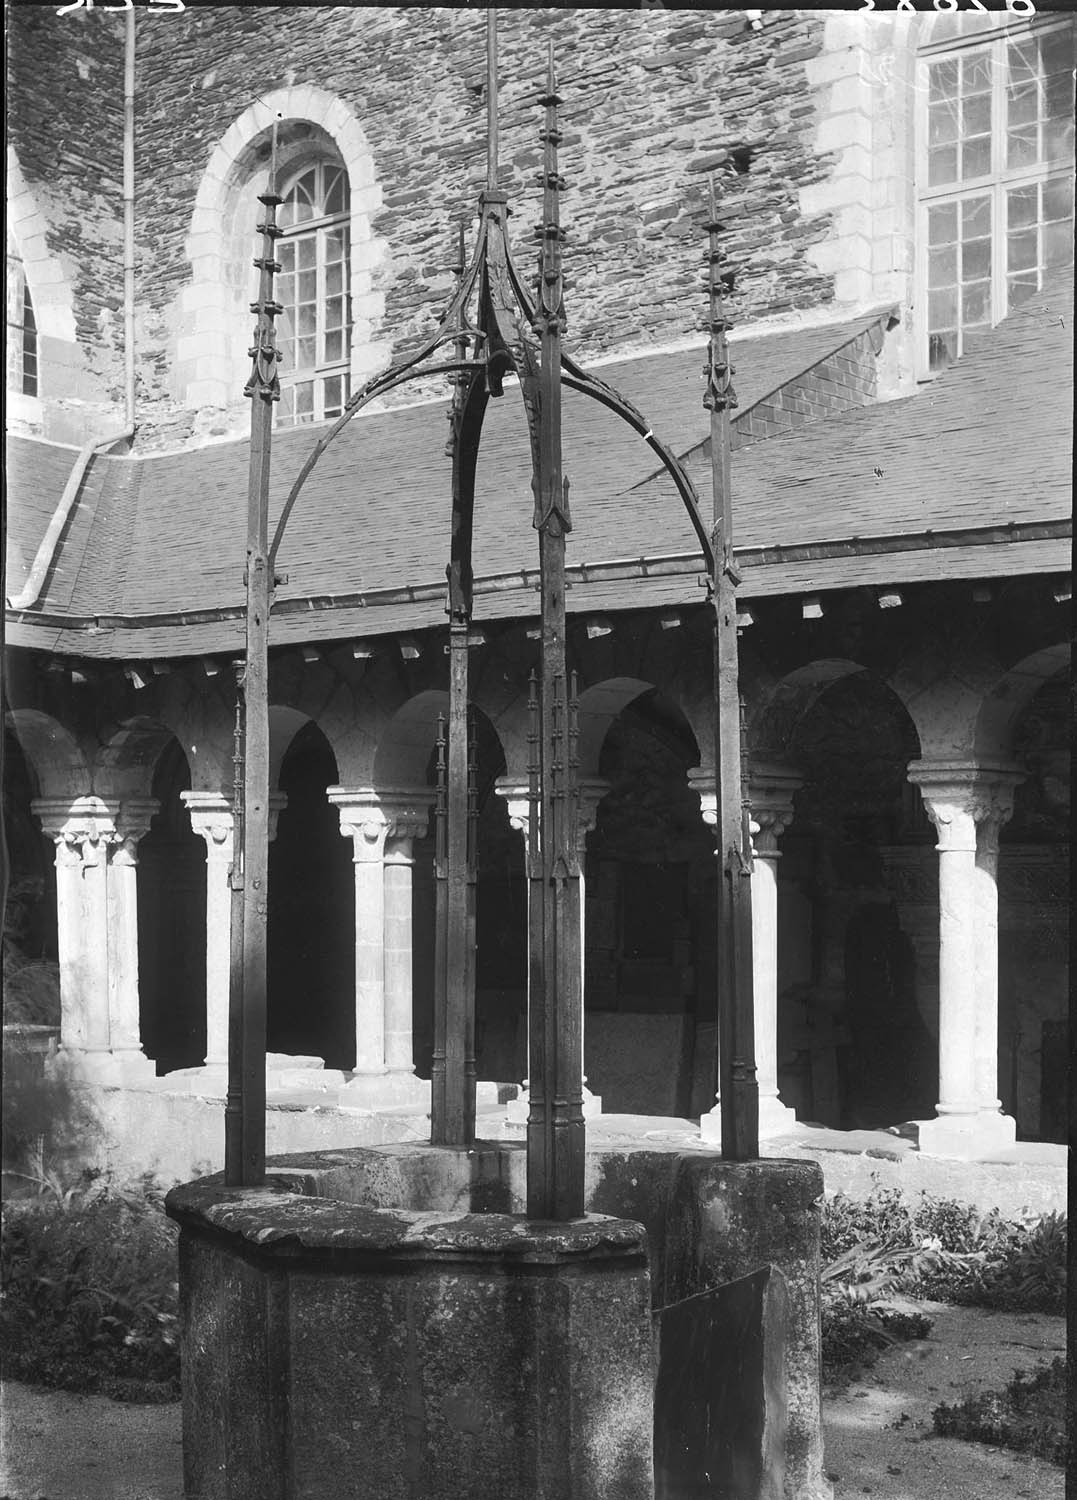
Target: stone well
point(384, 1322)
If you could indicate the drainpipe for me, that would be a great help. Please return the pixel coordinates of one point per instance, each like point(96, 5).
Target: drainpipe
point(46, 552)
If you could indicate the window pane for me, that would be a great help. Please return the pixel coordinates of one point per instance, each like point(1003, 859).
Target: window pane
point(1022, 207)
point(286, 405)
point(1023, 105)
point(942, 80)
point(285, 289)
point(976, 115)
point(977, 74)
point(1021, 250)
point(1058, 139)
point(307, 251)
point(334, 193)
point(334, 346)
point(308, 286)
point(942, 166)
point(976, 303)
point(942, 224)
point(1057, 245)
point(1022, 60)
point(942, 267)
point(304, 400)
point(305, 354)
point(1022, 146)
point(334, 312)
point(1058, 198)
point(332, 396)
point(942, 350)
point(1022, 288)
point(976, 260)
point(941, 124)
point(307, 318)
point(286, 255)
point(976, 157)
point(975, 218)
point(336, 241)
point(942, 309)
point(334, 279)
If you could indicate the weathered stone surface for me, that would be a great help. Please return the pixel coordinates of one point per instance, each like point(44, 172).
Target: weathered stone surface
point(720, 1405)
point(709, 1223)
point(332, 1348)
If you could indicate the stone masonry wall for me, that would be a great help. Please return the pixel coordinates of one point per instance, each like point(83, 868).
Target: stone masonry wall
point(652, 100)
point(65, 124)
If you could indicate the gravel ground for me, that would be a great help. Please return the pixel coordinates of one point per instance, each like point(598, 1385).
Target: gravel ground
point(879, 1440)
point(879, 1436)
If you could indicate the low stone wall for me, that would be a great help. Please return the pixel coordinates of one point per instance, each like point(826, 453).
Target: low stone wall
point(331, 1349)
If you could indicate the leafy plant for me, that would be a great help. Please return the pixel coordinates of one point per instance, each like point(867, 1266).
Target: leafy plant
point(90, 1296)
point(1027, 1415)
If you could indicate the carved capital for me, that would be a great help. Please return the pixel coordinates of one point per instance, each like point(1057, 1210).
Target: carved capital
point(515, 796)
point(966, 801)
point(701, 781)
point(592, 791)
point(82, 828)
point(370, 818)
point(211, 819)
point(771, 792)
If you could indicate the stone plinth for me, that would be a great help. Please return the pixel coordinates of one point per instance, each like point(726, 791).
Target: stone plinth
point(332, 1349)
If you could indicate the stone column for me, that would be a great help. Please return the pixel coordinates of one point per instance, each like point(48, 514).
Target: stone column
point(381, 826)
point(409, 822)
point(97, 932)
point(125, 1036)
point(772, 789)
point(962, 799)
point(211, 819)
point(515, 795)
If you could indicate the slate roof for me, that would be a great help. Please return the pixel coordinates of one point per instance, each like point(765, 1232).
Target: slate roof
point(151, 559)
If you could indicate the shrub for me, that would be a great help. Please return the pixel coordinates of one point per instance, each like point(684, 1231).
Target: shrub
point(90, 1294)
point(953, 1252)
point(1027, 1415)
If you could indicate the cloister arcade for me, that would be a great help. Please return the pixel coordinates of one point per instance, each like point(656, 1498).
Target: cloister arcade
point(907, 795)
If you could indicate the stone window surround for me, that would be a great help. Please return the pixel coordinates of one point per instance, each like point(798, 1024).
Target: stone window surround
point(49, 287)
point(211, 351)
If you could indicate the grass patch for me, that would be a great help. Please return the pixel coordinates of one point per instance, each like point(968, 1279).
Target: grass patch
point(89, 1292)
point(1027, 1415)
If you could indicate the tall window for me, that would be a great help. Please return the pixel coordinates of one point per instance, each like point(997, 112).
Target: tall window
point(995, 171)
point(21, 329)
point(313, 289)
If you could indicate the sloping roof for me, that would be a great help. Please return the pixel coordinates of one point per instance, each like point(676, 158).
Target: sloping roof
point(156, 541)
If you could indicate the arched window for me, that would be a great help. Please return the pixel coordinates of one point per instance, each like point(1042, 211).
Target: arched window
point(995, 171)
point(314, 290)
point(21, 329)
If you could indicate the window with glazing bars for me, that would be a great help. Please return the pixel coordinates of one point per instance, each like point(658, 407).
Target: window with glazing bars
point(314, 329)
point(995, 173)
point(21, 364)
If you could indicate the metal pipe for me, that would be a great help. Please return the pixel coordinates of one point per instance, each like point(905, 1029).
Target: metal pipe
point(129, 220)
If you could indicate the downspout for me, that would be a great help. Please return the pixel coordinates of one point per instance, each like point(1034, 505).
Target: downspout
point(46, 552)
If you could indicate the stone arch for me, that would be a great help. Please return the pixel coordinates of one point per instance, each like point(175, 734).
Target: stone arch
point(600, 704)
point(1001, 707)
point(126, 763)
point(214, 314)
point(53, 752)
point(285, 722)
point(402, 755)
point(774, 716)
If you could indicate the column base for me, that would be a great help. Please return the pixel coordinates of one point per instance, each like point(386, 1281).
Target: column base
point(384, 1090)
point(775, 1119)
point(128, 1069)
point(971, 1137)
point(514, 1126)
